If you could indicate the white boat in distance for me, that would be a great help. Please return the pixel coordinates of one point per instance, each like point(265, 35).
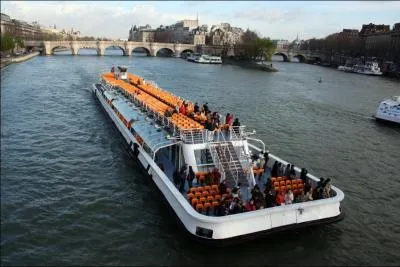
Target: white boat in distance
point(165, 142)
point(205, 59)
point(389, 110)
point(369, 68)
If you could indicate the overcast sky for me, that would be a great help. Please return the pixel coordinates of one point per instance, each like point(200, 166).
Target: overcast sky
point(277, 20)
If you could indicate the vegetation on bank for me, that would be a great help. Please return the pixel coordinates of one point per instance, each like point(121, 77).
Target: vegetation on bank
point(8, 43)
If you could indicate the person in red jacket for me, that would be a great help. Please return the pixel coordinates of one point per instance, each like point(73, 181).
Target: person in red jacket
point(280, 198)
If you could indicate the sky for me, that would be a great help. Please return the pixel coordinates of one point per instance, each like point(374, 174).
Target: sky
point(273, 19)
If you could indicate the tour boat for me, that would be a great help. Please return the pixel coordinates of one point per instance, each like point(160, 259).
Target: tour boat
point(345, 68)
point(369, 68)
point(206, 59)
point(164, 141)
point(389, 110)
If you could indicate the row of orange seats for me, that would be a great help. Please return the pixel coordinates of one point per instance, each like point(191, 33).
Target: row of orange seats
point(287, 182)
point(156, 92)
point(274, 179)
point(200, 189)
point(179, 120)
point(164, 96)
point(295, 191)
point(184, 122)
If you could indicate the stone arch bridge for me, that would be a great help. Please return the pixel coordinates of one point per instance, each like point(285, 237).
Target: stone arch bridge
point(127, 47)
point(302, 55)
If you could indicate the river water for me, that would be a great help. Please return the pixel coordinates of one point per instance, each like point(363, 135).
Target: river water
point(71, 195)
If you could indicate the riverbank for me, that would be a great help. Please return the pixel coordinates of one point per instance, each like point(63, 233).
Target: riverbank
point(251, 65)
point(7, 61)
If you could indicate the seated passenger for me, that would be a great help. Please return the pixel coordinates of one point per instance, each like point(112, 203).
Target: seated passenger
point(309, 195)
point(222, 187)
point(289, 197)
point(280, 198)
point(235, 192)
point(251, 206)
point(216, 176)
point(270, 199)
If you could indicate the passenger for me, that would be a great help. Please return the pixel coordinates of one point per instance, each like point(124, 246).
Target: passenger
point(168, 113)
point(235, 192)
point(196, 108)
point(268, 186)
point(270, 199)
point(281, 170)
point(182, 109)
point(175, 177)
point(280, 198)
point(205, 107)
point(258, 197)
point(113, 71)
point(266, 158)
point(251, 206)
point(216, 176)
point(229, 119)
point(182, 178)
point(287, 171)
point(292, 173)
point(307, 186)
point(222, 187)
point(236, 123)
point(190, 177)
point(289, 197)
point(274, 171)
point(303, 174)
point(309, 195)
point(301, 197)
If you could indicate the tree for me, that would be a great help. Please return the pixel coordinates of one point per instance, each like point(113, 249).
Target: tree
point(253, 48)
point(7, 42)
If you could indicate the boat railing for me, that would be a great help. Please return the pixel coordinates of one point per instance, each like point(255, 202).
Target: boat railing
point(217, 161)
point(198, 136)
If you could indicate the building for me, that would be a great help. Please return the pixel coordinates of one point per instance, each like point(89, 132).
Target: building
point(184, 32)
point(224, 34)
point(371, 28)
point(7, 25)
point(281, 44)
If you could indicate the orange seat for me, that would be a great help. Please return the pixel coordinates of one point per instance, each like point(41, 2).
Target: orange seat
point(294, 186)
point(215, 204)
point(282, 183)
point(288, 182)
point(198, 194)
point(215, 187)
point(283, 188)
point(203, 200)
point(210, 198)
point(276, 188)
point(279, 179)
point(300, 186)
point(213, 192)
point(207, 205)
point(296, 191)
point(194, 202)
point(200, 189)
point(207, 187)
point(193, 190)
point(199, 207)
point(201, 178)
point(217, 197)
point(288, 187)
point(190, 196)
point(205, 193)
point(276, 184)
point(273, 179)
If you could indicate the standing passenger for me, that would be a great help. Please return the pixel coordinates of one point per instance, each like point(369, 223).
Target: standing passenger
point(191, 176)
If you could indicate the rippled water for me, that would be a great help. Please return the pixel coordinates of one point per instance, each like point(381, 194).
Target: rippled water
point(71, 195)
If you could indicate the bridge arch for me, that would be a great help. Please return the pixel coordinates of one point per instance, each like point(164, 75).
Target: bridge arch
point(284, 55)
point(80, 50)
point(62, 50)
point(186, 51)
point(164, 52)
point(140, 49)
point(300, 57)
point(110, 46)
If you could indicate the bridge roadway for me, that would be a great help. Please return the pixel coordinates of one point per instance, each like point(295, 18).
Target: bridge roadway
point(126, 46)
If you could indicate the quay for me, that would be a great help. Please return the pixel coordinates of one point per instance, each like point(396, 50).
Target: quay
point(7, 61)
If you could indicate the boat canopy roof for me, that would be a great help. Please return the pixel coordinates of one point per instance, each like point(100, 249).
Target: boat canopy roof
point(152, 134)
